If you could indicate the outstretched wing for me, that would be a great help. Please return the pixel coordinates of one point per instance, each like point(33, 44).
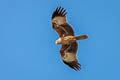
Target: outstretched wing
point(60, 24)
point(68, 53)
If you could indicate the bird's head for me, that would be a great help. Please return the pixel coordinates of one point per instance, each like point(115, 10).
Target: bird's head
point(59, 41)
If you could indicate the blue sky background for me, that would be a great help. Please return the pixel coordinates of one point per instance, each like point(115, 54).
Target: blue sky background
point(27, 40)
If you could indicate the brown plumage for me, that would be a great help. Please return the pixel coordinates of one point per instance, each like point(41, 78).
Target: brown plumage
point(67, 38)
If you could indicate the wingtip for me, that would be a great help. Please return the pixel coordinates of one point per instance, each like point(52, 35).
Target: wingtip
point(74, 65)
point(59, 12)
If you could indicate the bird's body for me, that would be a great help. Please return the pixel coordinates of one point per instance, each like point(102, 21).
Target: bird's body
point(67, 38)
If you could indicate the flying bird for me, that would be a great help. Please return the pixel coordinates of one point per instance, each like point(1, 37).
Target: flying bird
point(67, 38)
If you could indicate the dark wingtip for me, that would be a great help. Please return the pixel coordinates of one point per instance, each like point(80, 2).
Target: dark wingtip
point(59, 12)
point(74, 65)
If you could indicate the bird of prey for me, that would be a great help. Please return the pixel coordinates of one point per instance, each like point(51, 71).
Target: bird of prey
point(67, 38)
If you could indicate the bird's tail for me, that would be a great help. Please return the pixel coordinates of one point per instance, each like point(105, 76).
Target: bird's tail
point(82, 37)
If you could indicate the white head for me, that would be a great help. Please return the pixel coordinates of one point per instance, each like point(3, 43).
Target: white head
point(58, 41)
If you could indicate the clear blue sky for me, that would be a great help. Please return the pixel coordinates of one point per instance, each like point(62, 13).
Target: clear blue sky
point(27, 40)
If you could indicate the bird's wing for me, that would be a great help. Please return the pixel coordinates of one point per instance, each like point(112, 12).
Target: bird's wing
point(68, 53)
point(59, 12)
point(64, 30)
point(60, 24)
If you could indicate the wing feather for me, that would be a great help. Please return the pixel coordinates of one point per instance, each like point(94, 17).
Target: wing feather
point(59, 12)
point(64, 30)
point(68, 53)
point(61, 26)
